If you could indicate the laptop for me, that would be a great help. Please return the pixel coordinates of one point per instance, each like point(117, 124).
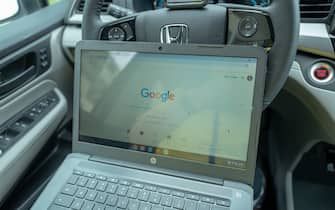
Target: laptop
point(161, 127)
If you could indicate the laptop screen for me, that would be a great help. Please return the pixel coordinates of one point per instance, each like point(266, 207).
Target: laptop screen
point(191, 107)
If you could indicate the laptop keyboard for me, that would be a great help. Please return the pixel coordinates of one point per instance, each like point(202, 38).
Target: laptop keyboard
point(89, 191)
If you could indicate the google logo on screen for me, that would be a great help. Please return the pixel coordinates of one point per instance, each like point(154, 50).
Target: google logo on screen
point(163, 96)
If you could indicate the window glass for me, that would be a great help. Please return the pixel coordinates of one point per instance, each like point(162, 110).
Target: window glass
point(8, 9)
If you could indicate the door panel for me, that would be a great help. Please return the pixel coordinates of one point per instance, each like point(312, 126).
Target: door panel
point(35, 89)
point(20, 32)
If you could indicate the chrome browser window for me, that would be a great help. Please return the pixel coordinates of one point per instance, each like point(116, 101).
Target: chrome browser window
point(185, 106)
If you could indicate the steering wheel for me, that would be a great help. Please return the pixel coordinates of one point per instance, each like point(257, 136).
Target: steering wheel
point(275, 27)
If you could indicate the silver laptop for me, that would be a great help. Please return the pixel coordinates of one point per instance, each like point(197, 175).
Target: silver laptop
point(161, 127)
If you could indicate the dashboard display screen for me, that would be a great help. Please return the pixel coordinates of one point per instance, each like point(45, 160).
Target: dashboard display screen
point(192, 107)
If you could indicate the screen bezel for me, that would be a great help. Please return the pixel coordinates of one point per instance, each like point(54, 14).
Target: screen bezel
point(186, 166)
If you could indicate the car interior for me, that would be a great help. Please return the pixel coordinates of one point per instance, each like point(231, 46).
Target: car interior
point(295, 162)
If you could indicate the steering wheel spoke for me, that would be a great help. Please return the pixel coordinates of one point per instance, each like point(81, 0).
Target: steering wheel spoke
point(249, 27)
point(120, 30)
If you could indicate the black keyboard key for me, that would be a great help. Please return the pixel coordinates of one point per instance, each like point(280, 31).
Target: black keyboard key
point(191, 205)
point(208, 200)
point(78, 172)
point(150, 188)
point(101, 177)
point(143, 195)
point(166, 201)
point(89, 174)
point(98, 207)
point(64, 200)
point(156, 207)
point(133, 205)
point(145, 206)
point(91, 194)
point(223, 202)
point(88, 205)
point(110, 208)
point(122, 190)
point(203, 206)
point(178, 203)
point(101, 198)
point(112, 179)
point(82, 181)
point(192, 197)
point(73, 179)
point(111, 188)
point(138, 185)
point(112, 200)
point(133, 193)
point(122, 203)
point(124, 182)
point(102, 185)
point(77, 204)
point(164, 191)
point(81, 192)
point(56, 207)
point(155, 198)
point(92, 183)
point(69, 189)
point(219, 208)
point(178, 194)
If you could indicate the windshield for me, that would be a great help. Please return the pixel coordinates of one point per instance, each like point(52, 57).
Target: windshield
point(8, 9)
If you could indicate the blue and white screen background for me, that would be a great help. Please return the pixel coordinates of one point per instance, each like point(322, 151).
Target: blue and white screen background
point(186, 106)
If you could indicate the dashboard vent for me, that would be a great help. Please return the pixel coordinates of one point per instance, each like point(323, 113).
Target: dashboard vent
point(103, 9)
point(315, 9)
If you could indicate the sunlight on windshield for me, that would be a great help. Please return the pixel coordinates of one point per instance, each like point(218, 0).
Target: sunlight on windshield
point(8, 9)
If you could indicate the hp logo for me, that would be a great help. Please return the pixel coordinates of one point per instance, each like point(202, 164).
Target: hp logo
point(153, 160)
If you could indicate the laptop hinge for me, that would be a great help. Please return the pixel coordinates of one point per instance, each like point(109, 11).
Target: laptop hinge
point(144, 167)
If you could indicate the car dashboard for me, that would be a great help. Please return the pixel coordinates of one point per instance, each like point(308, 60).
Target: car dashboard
point(307, 99)
point(298, 126)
